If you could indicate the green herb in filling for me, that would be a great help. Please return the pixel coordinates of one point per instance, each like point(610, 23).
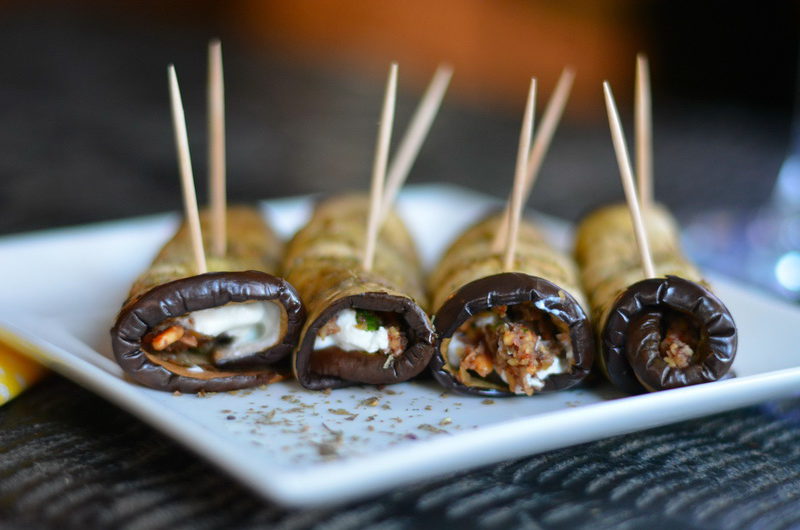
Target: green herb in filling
point(367, 320)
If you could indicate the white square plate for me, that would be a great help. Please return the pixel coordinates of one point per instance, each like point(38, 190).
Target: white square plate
point(62, 289)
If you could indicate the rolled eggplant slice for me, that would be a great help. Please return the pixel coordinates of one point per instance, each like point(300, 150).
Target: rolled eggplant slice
point(182, 370)
point(362, 327)
point(222, 330)
point(547, 347)
point(508, 333)
point(667, 333)
point(655, 334)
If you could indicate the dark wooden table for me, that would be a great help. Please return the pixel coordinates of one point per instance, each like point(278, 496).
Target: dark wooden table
point(85, 136)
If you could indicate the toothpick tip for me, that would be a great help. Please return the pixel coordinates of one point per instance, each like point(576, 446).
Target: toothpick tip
point(446, 68)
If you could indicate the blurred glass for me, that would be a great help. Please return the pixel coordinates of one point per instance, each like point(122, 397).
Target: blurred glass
point(762, 247)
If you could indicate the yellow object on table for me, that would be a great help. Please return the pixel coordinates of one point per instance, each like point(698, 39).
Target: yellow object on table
point(17, 373)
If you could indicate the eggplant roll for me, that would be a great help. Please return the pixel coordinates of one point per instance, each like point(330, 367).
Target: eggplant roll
point(508, 333)
point(222, 330)
point(362, 327)
point(659, 333)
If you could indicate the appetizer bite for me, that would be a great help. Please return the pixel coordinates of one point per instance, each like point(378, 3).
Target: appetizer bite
point(659, 324)
point(356, 268)
point(364, 325)
point(209, 323)
point(509, 316)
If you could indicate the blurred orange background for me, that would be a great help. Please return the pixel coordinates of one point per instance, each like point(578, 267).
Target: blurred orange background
point(495, 47)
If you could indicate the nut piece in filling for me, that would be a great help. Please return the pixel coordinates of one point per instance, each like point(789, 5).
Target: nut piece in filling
point(360, 330)
point(680, 340)
point(516, 345)
point(209, 338)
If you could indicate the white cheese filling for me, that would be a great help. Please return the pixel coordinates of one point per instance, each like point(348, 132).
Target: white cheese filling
point(455, 348)
point(351, 338)
point(255, 324)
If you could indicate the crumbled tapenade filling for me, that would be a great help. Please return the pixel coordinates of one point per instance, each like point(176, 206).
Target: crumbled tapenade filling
point(515, 343)
point(679, 343)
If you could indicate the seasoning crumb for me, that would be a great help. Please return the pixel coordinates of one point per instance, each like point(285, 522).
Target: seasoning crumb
point(332, 431)
point(230, 417)
point(370, 418)
point(329, 447)
point(386, 406)
point(177, 393)
point(428, 407)
point(458, 403)
point(410, 436)
point(390, 392)
point(327, 391)
point(340, 412)
point(201, 393)
point(443, 395)
point(446, 421)
point(398, 420)
point(351, 418)
point(370, 428)
point(370, 402)
point(487, 402)
point(271, 414)
point(430, 428)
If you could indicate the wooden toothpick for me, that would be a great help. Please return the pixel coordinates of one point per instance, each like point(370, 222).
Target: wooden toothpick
point(517, 192)
point(379, 166)
point(626, 173)
point(644, 132)
point(415, 136)
point(541, 144)
point(185, 166)
point(216, 149)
